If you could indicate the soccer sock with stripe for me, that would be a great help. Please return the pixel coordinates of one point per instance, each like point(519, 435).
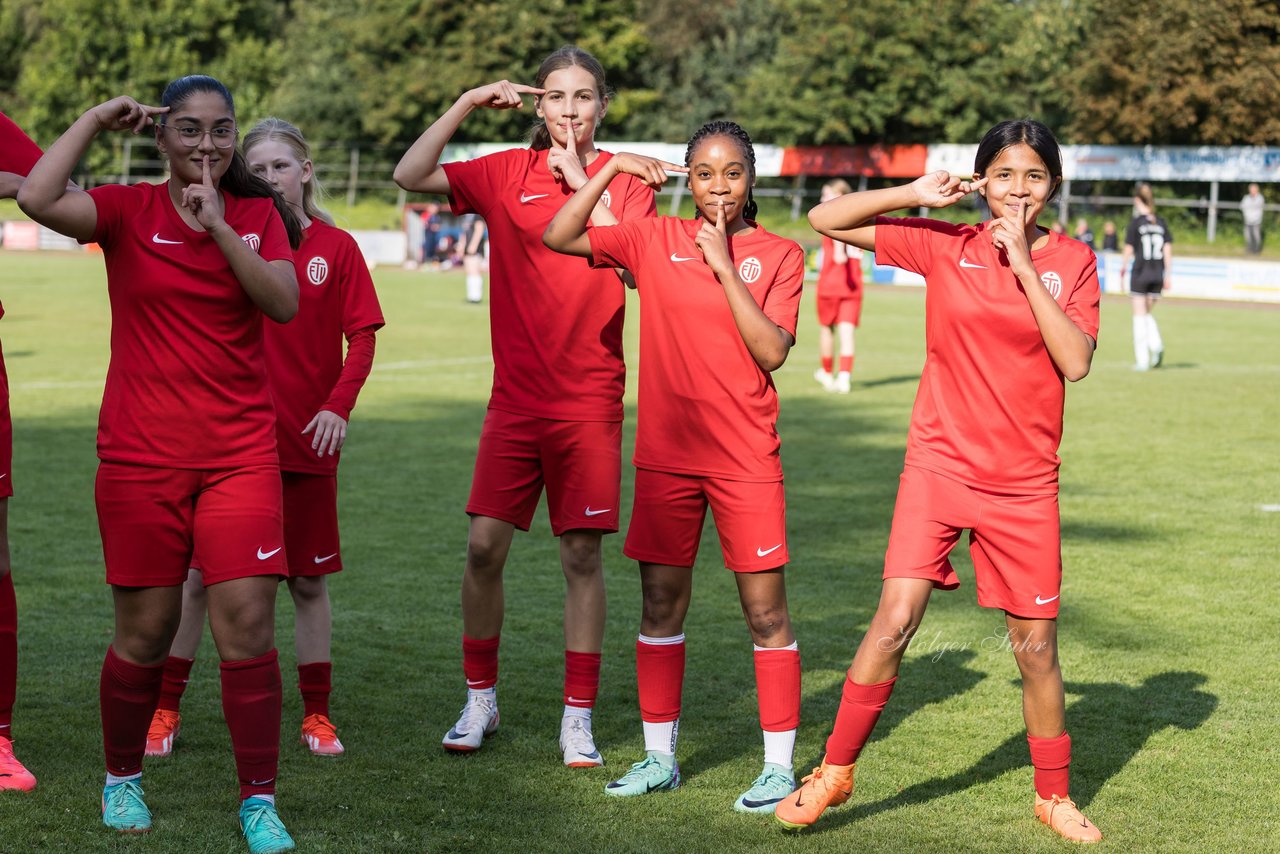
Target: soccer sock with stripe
point(1051, 758)
point(251, 699)
point(480, 662)
point(581, 682)
point(860, 708)
point(8, 653)
point(128, 694)
point(660, 680)
point(778, 696)
point(315, 683)
point(177, 673)
point(828, 362)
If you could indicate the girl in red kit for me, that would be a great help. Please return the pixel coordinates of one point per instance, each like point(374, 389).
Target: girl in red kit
point(555, 415)
point(17, 155)
point(314, 390)
point(186, 435)
point(839, 301)
point(1011, 311)
point(720, 297)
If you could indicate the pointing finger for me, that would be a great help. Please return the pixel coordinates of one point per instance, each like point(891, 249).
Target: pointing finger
point(720, 219)
point(208, 181)
point(570, 140)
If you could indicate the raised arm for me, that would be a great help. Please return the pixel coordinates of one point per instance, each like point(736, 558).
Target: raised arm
point(567, 232)
point(768, 343)
point(848, 219)
point(419, 169)
point(47, 195)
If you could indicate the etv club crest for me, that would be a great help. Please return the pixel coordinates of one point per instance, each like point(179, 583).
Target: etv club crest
point(1053, 283)
point(749, 269)
point(317, 271)
point(253, 240)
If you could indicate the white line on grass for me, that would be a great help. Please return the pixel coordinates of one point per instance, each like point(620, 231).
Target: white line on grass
point(1269, 508)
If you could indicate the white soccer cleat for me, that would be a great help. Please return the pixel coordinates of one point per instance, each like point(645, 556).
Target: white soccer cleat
point(478, 720)
point(841, 384)
point(578, 744)
point(824, 379)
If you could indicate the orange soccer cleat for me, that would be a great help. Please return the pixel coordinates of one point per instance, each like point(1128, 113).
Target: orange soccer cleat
point(13, 774)
point(1067, 821)
point(828, 786)
point(320, 735)
point(164, 729)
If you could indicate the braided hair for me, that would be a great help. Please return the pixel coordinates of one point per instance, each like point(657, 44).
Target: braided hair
point(238, 180)
point(733, 131)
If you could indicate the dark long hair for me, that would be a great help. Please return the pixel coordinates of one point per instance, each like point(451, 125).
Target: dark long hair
point(734, 132)
point(238, 180)
point(568, 56)
point(1027, 132)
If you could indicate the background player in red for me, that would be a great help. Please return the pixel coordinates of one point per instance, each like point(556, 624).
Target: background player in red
point(314, 390)
point(186, 434)
point(839, 301)
point(17, 155)
point(1011, 310)
point(1148, 246)
point(555, 414)
point(720, 297)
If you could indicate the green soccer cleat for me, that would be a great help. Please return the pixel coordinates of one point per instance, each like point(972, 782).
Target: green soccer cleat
point(773, 784)
point(263, 829)
point(657, 772)
point(123, 808)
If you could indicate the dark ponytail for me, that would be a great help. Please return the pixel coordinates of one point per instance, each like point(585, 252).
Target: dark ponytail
point(1027, 132)
point(568, 56)
point(238, 180)
point(733, 131)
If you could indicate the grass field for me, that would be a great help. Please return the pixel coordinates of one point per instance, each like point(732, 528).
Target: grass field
point(1168, 623)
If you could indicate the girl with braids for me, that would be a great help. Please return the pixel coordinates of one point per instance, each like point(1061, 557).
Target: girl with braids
point(719, 298)
point(186, 435)
point(1011, 312)
point(555, 414)
point(1148, 246)
point(314, 391)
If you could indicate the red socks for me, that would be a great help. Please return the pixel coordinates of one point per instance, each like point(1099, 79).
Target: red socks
point(660, 678)
point(315, 682)
point(251, 698)
point(581, 678)
point(8, 652)
point(480, 662)
point(846, 364)
point(828, 362)
point(778, 688)
point(1051, 758)
point(860, 708)
point(128, 693)
point(177, 672)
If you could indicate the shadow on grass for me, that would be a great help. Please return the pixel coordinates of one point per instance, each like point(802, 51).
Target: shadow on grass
point(1110, 723)
point(894, 380)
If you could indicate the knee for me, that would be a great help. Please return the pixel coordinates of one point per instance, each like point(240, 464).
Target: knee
point(767, 622)
point(485, 556)
point(307, 591)
point(580, 557)
point(1037, 659)
point(661, 606)
point(146, 641)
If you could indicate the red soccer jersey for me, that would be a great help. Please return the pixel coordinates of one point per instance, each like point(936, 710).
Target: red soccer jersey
point(187, 383)
point(839, 281)
point(556, 323)
point(17, 152)
point(304, 356)
point(705, 406)
point(989, 409)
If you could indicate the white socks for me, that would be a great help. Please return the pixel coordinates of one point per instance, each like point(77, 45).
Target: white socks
point(1154, 342)
point(113, 780)
point(661, 737)
point(1141, 352)
point(475, 288)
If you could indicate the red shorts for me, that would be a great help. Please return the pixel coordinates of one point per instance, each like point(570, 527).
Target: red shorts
point(6, 436)
point(579, 462)
point(1014, 540)
point(155, 520)
point(833, 310)
point(311, 524)
point(669, 509)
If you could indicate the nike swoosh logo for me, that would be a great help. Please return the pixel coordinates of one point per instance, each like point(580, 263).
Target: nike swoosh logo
point(3, 476)
point(262, 782)
point(591, 512)
point(156, 238)
point(677, 258)
point(263, 556)
point(524, 200)
point(964, 262)
point(762, 552)
point(325, 559)
point(1040, 601)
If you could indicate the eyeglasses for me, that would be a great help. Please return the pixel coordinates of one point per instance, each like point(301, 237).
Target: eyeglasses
point(191, 136)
